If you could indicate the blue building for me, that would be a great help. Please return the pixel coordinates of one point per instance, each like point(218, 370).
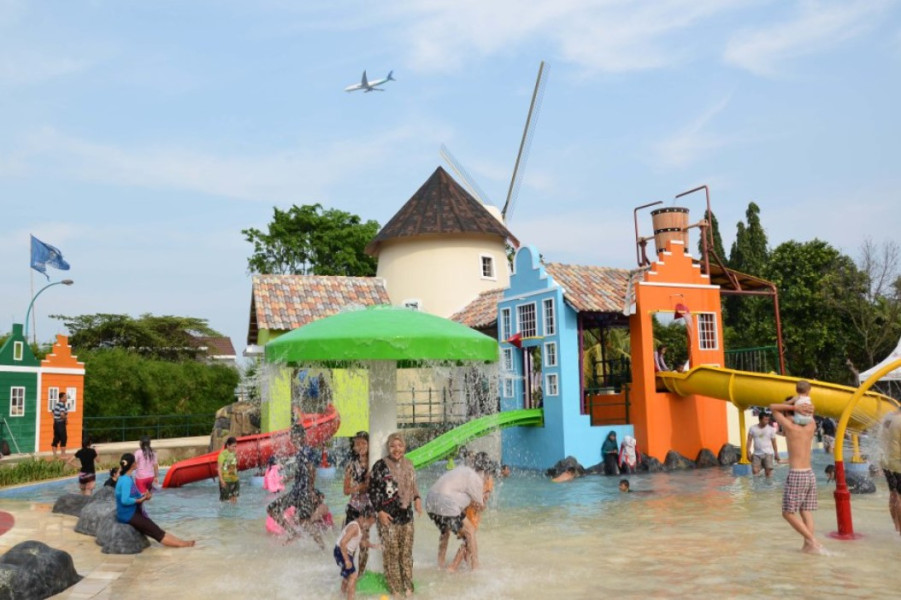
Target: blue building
point(542, 319)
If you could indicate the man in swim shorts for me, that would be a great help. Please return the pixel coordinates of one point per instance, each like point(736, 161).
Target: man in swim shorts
point(762, 437)
point(799, 498)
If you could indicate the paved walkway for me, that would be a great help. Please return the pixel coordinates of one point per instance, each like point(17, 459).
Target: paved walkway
point(21, 521)
point(175, 448)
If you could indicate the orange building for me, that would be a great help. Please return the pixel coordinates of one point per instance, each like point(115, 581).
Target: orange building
point(673, 286)
point(61, 372)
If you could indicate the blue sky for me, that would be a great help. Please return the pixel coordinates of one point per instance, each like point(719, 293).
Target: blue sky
point(141, 137)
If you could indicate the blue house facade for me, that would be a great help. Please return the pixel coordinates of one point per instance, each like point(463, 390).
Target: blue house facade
point(540, 321)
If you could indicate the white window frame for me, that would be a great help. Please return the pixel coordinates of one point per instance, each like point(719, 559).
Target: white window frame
point(549, 315)
point(487, 260)
point(708, 339)
point(18, 350)
point(508, 360)
point(506, 324)
point(552, 384)
point(550, 352)
point(413, 304)
point(52, 397)
point(71, 399)
point(17, 401)
point(519, 319)
point(508, 387)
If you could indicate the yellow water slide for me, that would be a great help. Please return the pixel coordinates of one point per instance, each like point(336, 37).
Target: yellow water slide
point(746, 389)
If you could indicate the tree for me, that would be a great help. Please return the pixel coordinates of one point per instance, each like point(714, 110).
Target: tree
point(165, 337)
point(714, 233)
point(869, 297)
point(749, 255)
point(305, 240)
point(815, 334)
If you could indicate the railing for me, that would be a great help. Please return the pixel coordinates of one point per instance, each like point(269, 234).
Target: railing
point(437, 408)
point(610, 373)
point(607, 406)
point(125, 428)
point(762, 359)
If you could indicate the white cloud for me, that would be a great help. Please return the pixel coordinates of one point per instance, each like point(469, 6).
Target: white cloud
point(693, 142)
point(32, 68)
point(817, 27)
point(610, 36)
point(276, 176)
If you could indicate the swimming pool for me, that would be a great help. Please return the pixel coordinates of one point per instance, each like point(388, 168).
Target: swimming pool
point(702, 533)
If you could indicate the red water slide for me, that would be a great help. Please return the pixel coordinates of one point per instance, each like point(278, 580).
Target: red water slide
point(255, 450)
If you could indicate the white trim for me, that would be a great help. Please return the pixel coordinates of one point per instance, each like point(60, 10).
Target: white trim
point(544, 319)
point(698, 286)
point(715, 333)
point(490, 257)
point(16, 387)
point(532, 293)
point(512, 391)
point(519, 330)
point(545, 354)
point(547, 384)
point(50, 399)
point(54, 370)
point(18, 350)
point(37, 414)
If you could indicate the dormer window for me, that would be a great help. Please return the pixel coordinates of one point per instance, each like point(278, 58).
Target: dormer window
point(18, 350)
point(487, 267)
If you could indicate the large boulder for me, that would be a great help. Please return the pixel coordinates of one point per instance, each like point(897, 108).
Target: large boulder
point(706, 459)
point(119, 538)
point(676, 462)
point(728, 455)
point(564, 465)
point(650, 464)
point(101, 506)
point(237, 419)
point(33, 570)
point(70, 504)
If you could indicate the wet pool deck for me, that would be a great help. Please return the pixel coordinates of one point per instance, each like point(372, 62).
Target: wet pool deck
point(37, 522)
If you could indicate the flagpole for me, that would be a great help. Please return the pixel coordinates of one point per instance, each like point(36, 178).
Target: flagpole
point(33, 318)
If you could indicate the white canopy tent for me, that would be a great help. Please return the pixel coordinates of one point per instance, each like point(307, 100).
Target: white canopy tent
point(891, 375)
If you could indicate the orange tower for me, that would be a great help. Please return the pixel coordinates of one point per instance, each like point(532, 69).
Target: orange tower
point(673, 285)
point(61, 372)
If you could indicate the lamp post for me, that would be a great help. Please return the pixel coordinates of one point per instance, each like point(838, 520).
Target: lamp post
point(31, 304)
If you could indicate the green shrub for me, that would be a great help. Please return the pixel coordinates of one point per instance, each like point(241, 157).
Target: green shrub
point(33, 470)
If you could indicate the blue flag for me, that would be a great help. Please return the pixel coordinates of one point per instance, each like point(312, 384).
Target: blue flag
point(44, 254)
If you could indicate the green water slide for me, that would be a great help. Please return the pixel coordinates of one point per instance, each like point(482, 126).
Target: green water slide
point(446, 445)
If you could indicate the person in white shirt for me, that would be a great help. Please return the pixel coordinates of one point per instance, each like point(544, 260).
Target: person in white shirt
point(763, 438)
point(446, 505)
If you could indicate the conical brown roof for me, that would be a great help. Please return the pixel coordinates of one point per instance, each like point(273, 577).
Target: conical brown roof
point(441, 206)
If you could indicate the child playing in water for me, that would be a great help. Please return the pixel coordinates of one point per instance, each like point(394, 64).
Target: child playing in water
point(802, 403)
point(229, 484)
point(322, 516)
point(355, 535)
point(272, 480)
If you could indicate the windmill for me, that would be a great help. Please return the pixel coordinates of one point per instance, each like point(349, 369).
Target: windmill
point(512, 192)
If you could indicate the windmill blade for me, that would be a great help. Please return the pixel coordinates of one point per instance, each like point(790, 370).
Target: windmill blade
point(468, 182)
point(523, 154)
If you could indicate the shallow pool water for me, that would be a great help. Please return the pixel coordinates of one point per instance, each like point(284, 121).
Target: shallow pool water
point(702, 534)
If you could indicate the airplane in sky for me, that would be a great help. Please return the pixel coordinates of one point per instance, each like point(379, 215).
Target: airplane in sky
point(370, 86)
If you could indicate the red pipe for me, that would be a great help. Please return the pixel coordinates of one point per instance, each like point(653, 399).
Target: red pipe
point(842, 505)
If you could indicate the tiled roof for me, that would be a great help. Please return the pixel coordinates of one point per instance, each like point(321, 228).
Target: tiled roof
point(285, 302)
point(591, 289)
point(440, 206)
point(481, 312)
point(217, 346)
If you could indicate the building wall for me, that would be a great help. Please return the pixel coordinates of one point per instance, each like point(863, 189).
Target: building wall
point(443, 273)
point(665, 421)
point(566, 431)
point(60, 370)
point(19, 371)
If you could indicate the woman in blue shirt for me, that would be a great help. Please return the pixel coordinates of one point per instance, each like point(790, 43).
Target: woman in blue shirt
point(130, 506)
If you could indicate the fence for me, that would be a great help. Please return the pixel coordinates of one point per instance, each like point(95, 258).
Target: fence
point(126, 428)
point(762, 359)
point(429, 407)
